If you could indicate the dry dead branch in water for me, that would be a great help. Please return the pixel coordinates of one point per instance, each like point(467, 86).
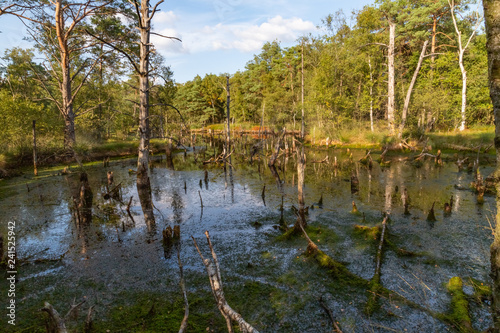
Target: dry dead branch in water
point(184, 294)
point(213, 270)
point(58, 323)
point(329, 312)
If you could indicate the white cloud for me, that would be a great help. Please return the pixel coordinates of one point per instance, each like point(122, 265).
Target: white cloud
point(168, 18)
point(245, 37)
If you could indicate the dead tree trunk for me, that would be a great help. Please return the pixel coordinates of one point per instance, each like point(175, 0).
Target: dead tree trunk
point(143, 182)
point(410, 89)
point(228, 119)
point(34, 148)
point(301, 166)
point(371, 94)
point(492, 22)
point(461, 51)
point(390, 78)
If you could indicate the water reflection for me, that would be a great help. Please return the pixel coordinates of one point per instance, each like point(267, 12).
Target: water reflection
point(456, 244)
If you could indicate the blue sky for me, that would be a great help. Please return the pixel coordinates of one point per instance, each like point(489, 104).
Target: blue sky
point(219, 36)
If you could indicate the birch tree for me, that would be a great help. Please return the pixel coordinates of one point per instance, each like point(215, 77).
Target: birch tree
point(461, 48)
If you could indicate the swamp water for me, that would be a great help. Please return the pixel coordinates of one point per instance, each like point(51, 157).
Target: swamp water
point(121, 267)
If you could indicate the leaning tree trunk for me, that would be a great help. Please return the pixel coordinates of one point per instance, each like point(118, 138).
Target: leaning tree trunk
point(492, 22)
point(410, 89)
point(143, 183)
point(390, 79)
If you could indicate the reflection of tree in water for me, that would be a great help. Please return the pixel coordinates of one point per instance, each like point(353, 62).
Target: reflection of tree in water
point(177, 206)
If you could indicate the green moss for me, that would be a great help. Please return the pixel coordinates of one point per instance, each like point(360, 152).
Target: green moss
point(459, 308)
point(369, 233)
point(157, 313)
point(374, 289)
point(337, 270)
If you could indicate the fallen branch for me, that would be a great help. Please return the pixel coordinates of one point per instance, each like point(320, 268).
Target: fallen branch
point(58, 322)
point(330, 314)
point(375, 286)
point(214, 276)
point(184, 294)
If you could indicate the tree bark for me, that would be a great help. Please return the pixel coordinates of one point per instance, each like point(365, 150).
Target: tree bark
point(461, 51)
point(492, 22)
point(34, 151)
point(390, 88)
point(143, 182)
point(410, 89)
point(302, 129)
point(66, 92)
point(228, 134)
point(371, 94)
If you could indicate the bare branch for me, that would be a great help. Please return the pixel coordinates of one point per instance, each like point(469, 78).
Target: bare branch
point(155, 8)
point(157, 34)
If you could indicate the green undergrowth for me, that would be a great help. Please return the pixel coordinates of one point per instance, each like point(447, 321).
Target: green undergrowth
point(162, 313)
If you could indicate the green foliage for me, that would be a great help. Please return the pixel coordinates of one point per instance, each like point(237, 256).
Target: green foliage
point(344, 72)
